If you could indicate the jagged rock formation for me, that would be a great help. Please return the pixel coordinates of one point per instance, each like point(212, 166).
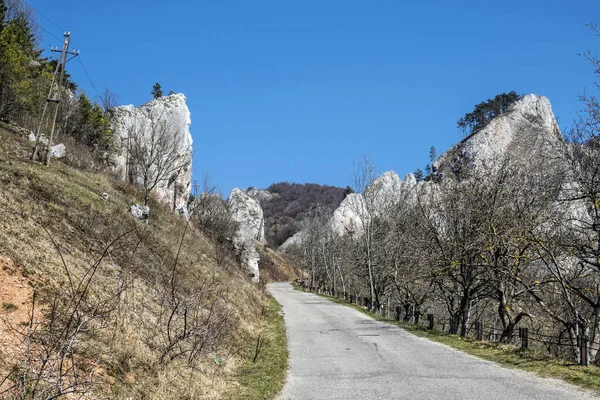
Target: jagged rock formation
point(248, 214)
point(527, 130)
point(163, 116)
point(384, 193)
point(356, 209)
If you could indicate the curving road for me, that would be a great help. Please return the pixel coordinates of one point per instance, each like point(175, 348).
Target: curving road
point(337, 352)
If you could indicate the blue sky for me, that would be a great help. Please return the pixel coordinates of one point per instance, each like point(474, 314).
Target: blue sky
point(296, 90)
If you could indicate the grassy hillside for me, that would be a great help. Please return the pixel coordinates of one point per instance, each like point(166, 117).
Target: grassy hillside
point(95, 301)
point(276, 267)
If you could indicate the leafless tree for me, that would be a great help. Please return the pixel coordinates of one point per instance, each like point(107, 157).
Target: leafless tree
point(155, 154)
point(109, 100)
point(209, 213)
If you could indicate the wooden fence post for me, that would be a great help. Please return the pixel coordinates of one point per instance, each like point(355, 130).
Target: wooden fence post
point(524, 335)
point(430, 319)
point(479, 330)
point(583, 344)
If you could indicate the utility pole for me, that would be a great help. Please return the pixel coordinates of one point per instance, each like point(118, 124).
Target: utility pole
point(54, 95)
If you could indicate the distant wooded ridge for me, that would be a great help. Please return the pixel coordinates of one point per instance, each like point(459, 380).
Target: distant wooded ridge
point(292, 202)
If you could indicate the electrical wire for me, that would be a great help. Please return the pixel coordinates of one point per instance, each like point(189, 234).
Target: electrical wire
point(48, 32)
point(39, 25)
point(88, 76)
point(60, 40)
point(43, 16)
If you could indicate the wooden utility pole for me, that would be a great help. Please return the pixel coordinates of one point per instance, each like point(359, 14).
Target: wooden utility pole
point(54, 95)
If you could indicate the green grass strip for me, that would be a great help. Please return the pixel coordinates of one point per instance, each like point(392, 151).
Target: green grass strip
point(265, 378)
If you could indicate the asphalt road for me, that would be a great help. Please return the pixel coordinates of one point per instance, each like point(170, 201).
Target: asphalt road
point(337, 352)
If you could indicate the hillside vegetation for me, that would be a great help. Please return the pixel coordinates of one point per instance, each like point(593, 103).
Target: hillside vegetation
point(96, 302)
point(292, 203)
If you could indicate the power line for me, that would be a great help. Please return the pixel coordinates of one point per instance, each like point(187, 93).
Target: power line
point(57, 38)
point(47, 31)
point(88, 76)
point(42, 15)
point(39, 25)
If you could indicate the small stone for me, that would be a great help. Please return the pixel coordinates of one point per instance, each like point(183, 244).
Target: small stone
point(140, 212)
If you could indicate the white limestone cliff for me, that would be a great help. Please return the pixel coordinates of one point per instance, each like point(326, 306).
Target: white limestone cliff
point(168, 116)
point(529, 128)
point(246, 211)
point(347, 218)
point(356, 209)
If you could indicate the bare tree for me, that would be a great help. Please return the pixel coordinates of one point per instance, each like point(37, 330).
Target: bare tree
point(109, 100)
point(209, 213)
point(155, 155)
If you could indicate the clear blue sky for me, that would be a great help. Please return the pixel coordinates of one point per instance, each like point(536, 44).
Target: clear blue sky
point(296, 90)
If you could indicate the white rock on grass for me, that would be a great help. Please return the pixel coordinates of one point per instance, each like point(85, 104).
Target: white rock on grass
point(140, 212)
point(58, 151)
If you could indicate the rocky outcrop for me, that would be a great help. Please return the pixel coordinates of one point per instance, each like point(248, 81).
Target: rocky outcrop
point(527, 130)
point(386, 191)
point(356, 209)
point(248, 214)
point(292, 241)
point(166, 117)
point(263, 196)
point(347, 219)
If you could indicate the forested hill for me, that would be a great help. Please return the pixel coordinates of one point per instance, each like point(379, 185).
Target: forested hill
point(290, 203)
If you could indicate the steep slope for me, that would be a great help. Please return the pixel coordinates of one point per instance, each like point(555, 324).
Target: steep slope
point(133, 307)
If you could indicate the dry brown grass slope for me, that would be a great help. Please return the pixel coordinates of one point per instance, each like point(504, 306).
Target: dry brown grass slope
point(124, 309)
point(277, 267)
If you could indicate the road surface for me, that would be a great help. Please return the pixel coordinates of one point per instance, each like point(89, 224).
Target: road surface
point(337, 352)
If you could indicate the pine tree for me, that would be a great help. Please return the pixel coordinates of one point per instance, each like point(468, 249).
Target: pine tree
point(20, 67)
point(348, 191)
point(418, 175)
point(2, 14)
point(432, 154)
point(428, 170)
point(487, 110)
point(157, 90)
